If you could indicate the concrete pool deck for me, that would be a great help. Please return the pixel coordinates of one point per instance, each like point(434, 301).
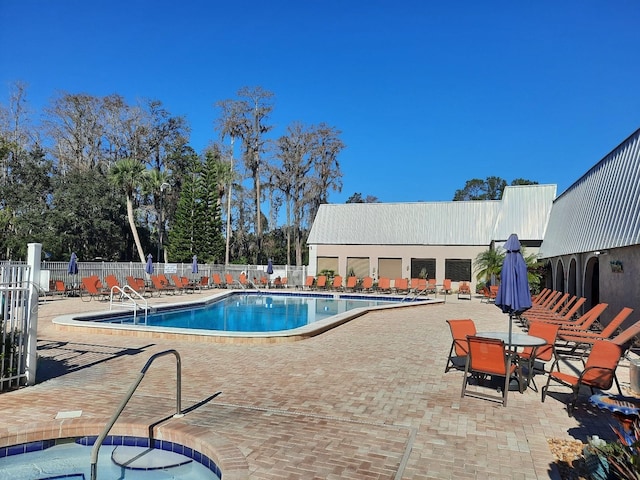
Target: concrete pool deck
point(366, 400)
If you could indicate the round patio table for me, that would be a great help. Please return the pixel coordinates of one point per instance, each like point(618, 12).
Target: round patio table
point(517, 339)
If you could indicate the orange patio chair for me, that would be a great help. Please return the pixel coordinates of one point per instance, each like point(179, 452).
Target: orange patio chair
point(460, 330)
point(367, 284)
point(216, 281)
point(384, 285)
point(91, 289)
point(401, 285)
point(534, 358)
point(599, 372)
point(161, 286)
point(464, 291)
point(487, 356)
point(352, 283)
point(228, 280)
point(321, 282)
point(337, 283)
point(204, 283)
point(308, 283)
point(446, 286)
point(431, 286)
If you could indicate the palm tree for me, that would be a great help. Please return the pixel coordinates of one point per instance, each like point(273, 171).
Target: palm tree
point(128, 174)
point(489, 263)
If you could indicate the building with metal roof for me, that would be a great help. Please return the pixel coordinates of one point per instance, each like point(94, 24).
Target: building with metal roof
point(592, 242)
point(439, 239)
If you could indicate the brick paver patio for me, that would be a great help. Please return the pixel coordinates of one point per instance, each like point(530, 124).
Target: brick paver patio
point(366, 400)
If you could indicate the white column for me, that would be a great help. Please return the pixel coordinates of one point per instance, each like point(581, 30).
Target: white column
point(34, 253)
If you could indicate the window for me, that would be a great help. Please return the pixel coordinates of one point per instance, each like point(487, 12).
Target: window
point(458, 269)
point(389, 267)
point(359, 266)
point(423, 268)
point(327, 263)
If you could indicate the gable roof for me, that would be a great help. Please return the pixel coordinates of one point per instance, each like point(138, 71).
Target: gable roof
point(601, 209)
point(435, 223)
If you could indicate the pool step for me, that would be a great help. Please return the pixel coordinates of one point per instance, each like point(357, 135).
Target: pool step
point(143, 458)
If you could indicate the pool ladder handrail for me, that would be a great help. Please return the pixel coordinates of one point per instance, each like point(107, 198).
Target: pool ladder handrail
point(132, 389)
point(415, 295)
point(122, 292)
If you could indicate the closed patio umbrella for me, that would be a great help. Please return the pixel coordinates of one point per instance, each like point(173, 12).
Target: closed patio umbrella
point(514, 296)
point(149, 266)
point(194, 264)
point(72, 269)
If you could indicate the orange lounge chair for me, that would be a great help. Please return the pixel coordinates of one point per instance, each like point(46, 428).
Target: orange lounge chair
point(384, 285)
point(216, 281)
point(91, 288)
point(352, 283)
point(401, 285)
point(464, 290)
point(446, 286)
point(367, 284)
point(321, 282)
point(337, 283)
point(431, 286)
point(161, 286)
point(308, 283)
point(229, 281)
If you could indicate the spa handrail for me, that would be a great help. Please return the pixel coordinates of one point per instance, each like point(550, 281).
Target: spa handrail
point(132, 389)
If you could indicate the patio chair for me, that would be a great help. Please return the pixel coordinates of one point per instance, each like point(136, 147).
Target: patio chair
point(216, 281)
point(308, 283)
point(337, 283)
point(401, 285)
point(384, 285)
point(229, 281)
point(584, 319)
point(161, 286)
point(446, 286)
point(321, 282)
point(576, 336)
point(91, 289)
point(460, 330)
point(367, 284)
point(431, 286)
point(599, 372)
point(464, 291)
point(352, 283)
point(565, 315)
point(204, 283)
point(487, 356)
point(534, 358)
point(112, 281)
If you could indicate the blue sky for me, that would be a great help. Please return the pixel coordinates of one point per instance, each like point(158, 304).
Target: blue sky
point(427, 94)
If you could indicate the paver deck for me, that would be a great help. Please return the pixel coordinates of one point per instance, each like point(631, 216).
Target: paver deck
point(366, 400)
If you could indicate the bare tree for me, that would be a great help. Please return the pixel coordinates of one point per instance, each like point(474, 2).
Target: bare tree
point(245, 119)
point(308, 169)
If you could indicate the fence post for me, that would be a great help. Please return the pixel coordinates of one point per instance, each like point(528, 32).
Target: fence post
point(34, 255)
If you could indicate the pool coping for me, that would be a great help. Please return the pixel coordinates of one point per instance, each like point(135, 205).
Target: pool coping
point(79, 323)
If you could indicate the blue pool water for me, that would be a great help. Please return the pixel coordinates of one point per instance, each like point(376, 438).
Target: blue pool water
point(252, 312)
point(72, 461)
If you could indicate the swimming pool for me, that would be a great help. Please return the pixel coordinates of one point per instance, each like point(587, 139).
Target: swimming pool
point(121, 457)
point(241, 315)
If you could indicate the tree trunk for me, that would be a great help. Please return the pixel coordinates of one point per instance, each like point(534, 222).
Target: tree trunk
point(134, 230)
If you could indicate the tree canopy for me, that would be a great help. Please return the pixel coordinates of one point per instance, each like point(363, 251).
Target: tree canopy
point(490, 188)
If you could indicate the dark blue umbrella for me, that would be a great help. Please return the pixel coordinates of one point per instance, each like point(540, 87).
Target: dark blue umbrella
point(269, 267)
point(149, 266)
point(194, 265)
point(72, 269)
point(514, 296)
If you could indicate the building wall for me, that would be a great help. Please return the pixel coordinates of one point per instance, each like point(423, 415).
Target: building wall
point(617, 288)
point(406, 253)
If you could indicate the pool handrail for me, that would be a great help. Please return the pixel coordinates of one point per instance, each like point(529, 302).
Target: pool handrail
point(98, 443)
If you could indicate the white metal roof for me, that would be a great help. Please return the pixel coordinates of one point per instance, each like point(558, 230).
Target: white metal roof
point(525, 211)
point(434, 223)
point(601, 209)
